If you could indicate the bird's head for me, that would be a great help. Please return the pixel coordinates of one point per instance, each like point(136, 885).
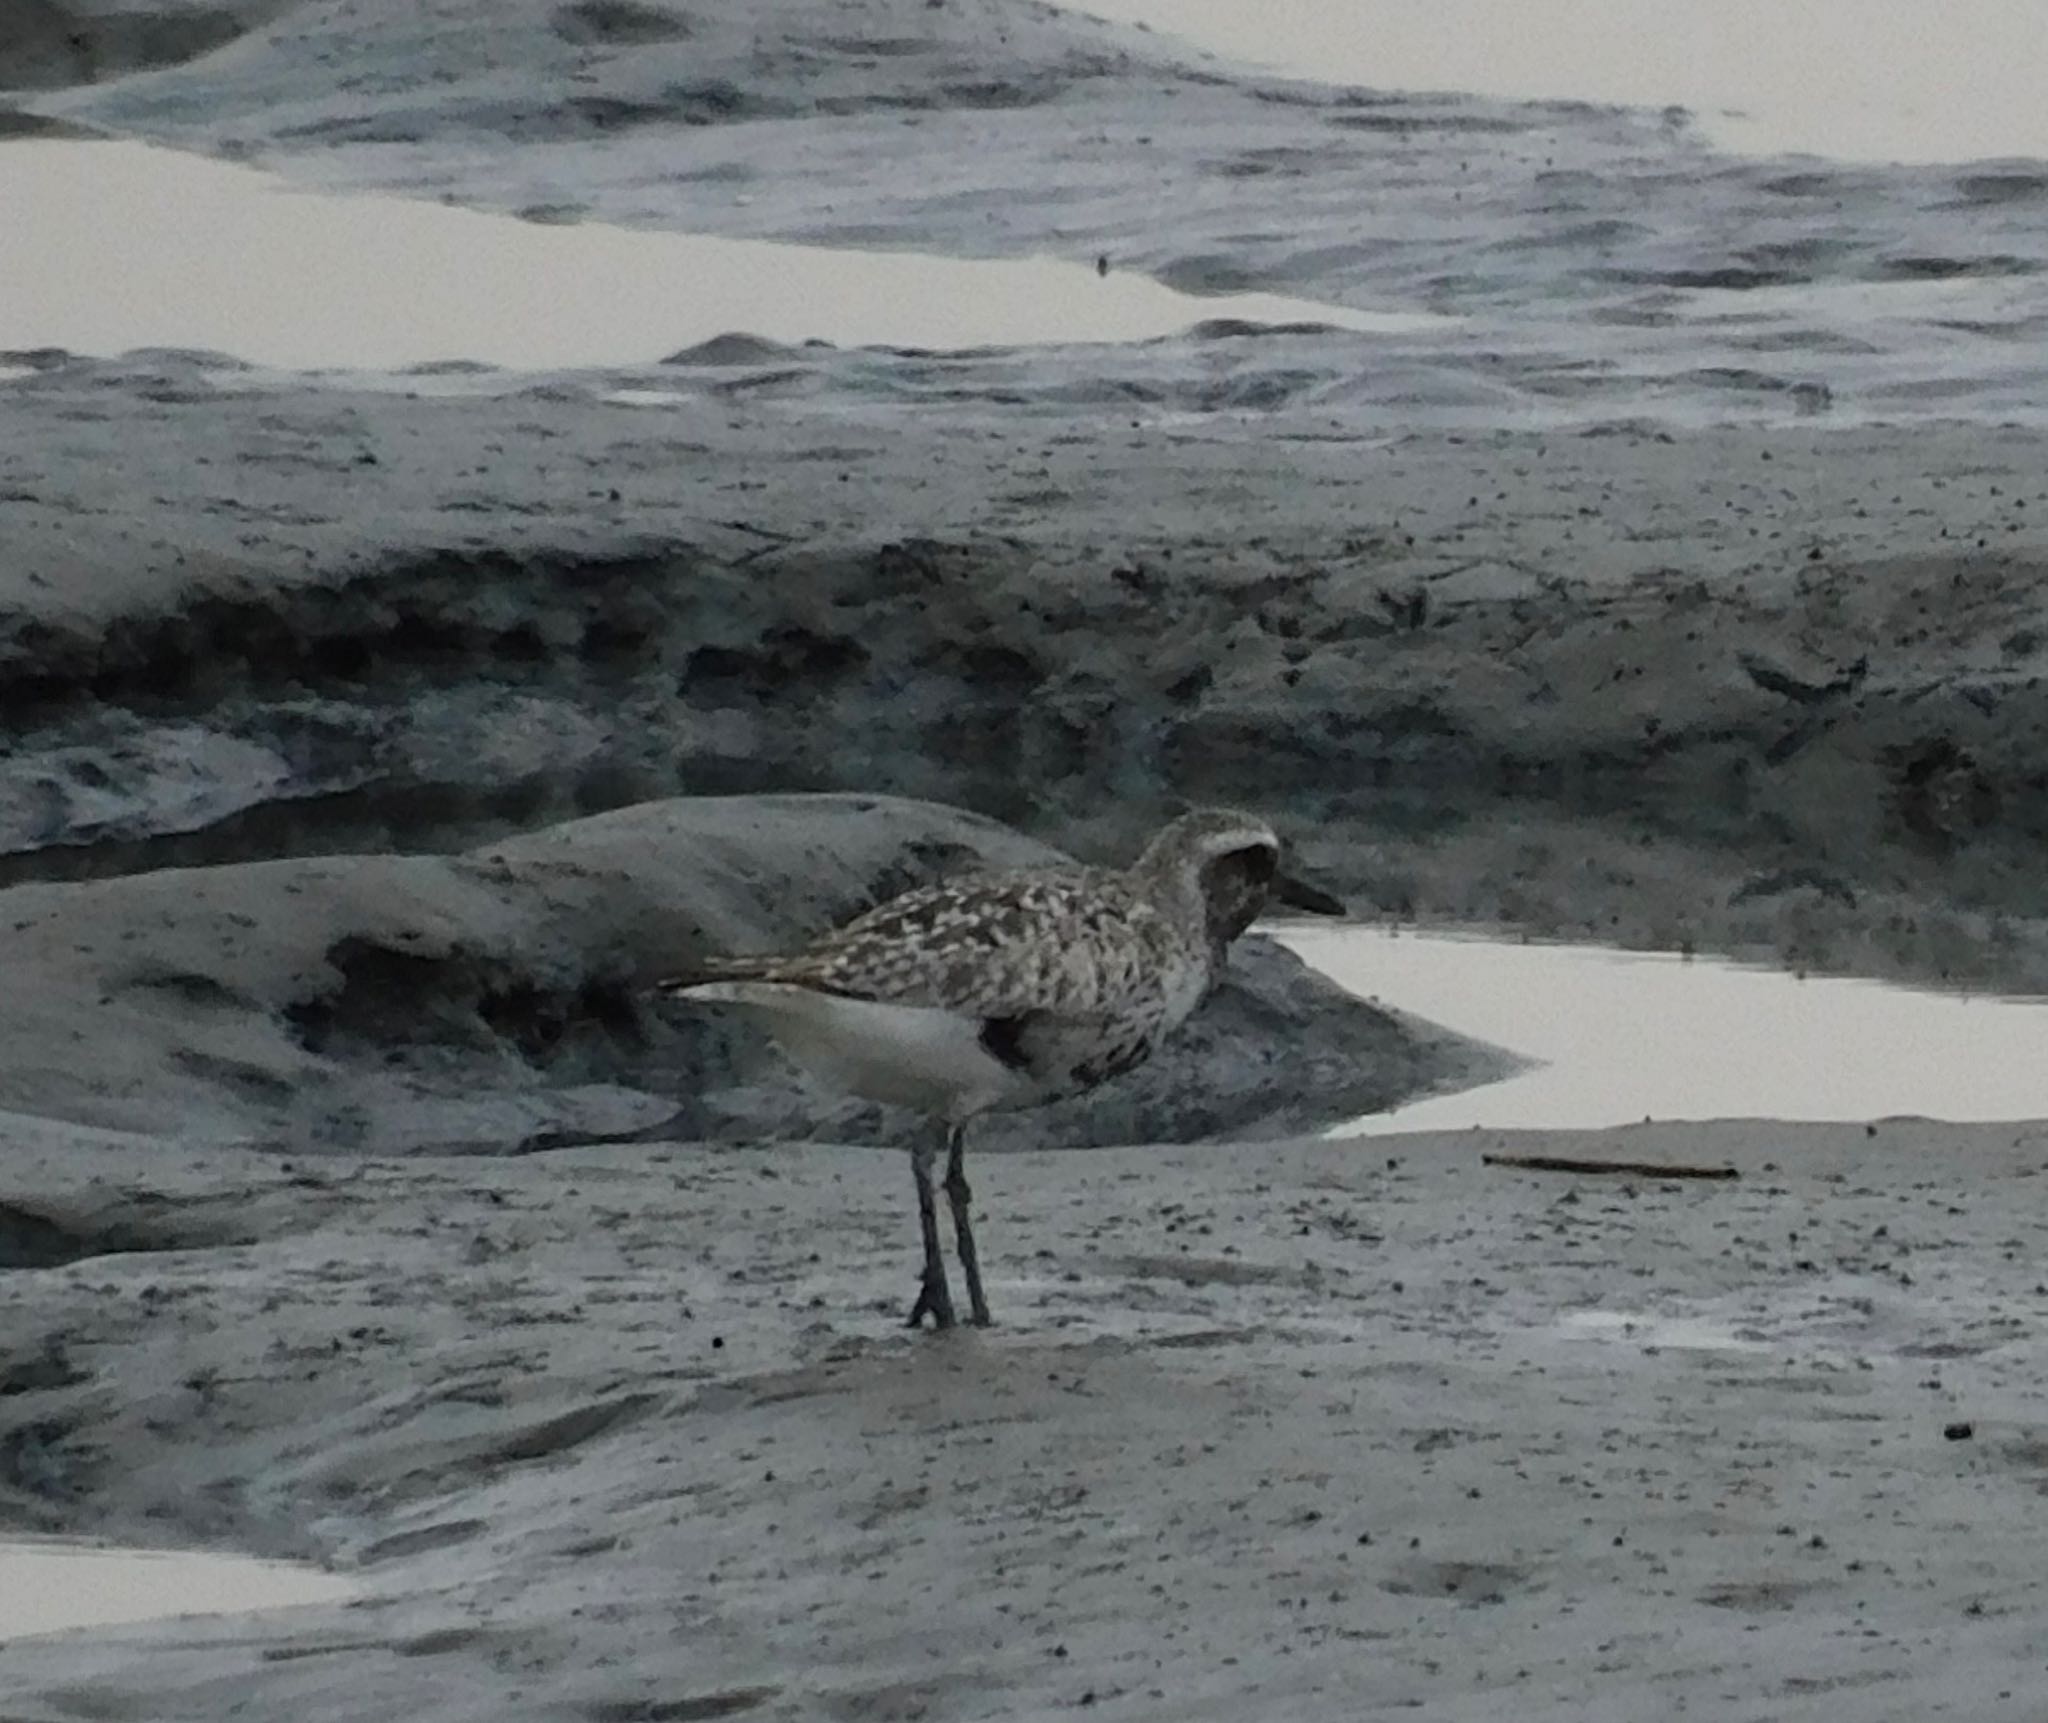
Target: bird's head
point(1229, 864)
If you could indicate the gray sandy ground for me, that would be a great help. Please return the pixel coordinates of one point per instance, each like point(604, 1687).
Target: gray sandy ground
point(1287, 1430)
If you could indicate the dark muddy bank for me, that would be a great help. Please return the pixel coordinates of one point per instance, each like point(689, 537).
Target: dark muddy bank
point(1762, 690)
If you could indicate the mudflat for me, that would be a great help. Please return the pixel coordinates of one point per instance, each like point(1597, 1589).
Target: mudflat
point(1297, 1428)
point(1667, 570)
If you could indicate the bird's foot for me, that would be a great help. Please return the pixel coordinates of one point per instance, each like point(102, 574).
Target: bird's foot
point(980, 1316)
point(935, 1298)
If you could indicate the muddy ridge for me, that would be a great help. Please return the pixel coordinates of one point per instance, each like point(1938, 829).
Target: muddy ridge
point(956, 671)
point(1766, 690)
point(499, 1001)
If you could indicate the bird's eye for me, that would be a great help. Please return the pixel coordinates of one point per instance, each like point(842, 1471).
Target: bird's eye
point(1259, 862)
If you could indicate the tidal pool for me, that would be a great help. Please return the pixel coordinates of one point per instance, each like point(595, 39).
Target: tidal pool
point(112, 246)
point(1871, 80)
point(1623, 1036)
point(47, 1586)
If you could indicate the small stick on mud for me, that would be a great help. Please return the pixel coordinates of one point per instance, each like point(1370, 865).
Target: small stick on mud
point(1633, 1169)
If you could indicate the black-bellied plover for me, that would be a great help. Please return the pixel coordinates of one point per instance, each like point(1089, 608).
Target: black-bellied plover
point(1010, 989)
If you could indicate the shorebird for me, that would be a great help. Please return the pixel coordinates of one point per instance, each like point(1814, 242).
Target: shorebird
point(999, 990)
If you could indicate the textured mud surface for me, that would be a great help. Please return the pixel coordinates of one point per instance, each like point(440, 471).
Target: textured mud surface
point(1290, 1430)
point(1681, 584)
point(1585, 263)
point(1768, 689)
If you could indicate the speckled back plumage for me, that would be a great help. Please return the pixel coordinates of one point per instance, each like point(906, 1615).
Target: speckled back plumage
point(1080, 939)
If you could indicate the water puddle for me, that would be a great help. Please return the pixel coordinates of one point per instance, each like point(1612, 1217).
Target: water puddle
point(48, 1587)
point(1627, 1036)
point(112, 246)
point(1873, 80)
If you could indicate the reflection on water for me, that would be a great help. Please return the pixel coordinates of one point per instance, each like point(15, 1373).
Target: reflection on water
point(46, 1587)
point(1627, 1036)
point(112, 246)
point(1873, 80)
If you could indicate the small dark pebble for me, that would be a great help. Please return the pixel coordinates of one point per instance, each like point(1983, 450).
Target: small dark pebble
point(1959, 1432)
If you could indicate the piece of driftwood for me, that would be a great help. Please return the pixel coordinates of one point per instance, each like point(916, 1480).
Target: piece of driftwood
point(1633, 1169)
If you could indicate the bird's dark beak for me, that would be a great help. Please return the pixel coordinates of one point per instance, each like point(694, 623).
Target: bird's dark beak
point(1299, 894)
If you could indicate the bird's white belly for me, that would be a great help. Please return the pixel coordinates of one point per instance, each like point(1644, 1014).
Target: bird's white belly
point(905, 1055)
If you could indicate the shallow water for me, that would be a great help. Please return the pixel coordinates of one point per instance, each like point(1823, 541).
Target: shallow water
point(1627, 1036)
point(1542, 267)
point(47, 1587)
point(112, 246)
point(1872, 80)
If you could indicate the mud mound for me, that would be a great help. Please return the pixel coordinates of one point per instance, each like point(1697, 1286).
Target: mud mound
point(496, 1002)
point(47, 44)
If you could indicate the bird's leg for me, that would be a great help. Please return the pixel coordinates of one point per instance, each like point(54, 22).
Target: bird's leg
point(933, 1294)
point(960, 1196)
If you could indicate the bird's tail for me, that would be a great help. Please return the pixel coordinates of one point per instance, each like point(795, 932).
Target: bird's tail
point(718, 978)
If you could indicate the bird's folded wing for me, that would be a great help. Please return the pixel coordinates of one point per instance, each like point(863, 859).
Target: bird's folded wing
point(991, 946)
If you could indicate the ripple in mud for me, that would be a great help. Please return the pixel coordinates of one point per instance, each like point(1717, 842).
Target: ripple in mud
point(617, 21)
point(1758, 1597)
point(692, 1708)
point(42, 1238)
point(39, 1372)
point(50, 43)
point(735, 350)
point(2015, 187)
point(1955, 268)
point(1467, 1582)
